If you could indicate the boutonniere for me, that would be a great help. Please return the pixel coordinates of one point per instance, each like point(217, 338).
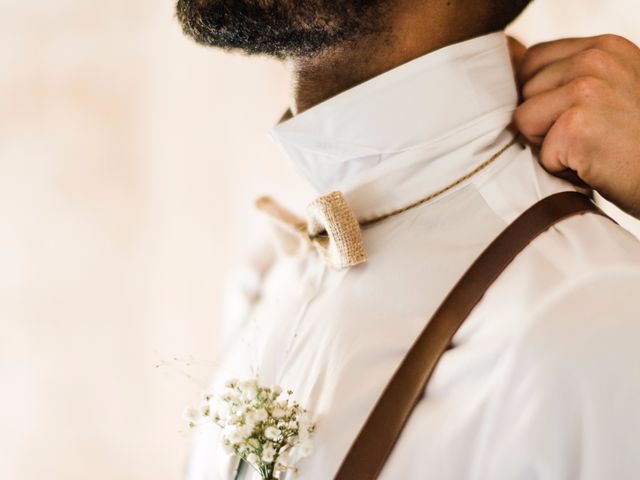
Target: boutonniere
point(261, 425)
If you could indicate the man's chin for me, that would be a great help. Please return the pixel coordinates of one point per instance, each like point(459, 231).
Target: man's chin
point(280, 28)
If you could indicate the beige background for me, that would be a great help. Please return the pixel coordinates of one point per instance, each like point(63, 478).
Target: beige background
point(128, 162)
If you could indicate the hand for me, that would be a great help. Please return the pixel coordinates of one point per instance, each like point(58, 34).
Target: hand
point(581, 107)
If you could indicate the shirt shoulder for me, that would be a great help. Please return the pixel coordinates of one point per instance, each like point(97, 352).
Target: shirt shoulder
point(595, 317)
point(575, 290)
point(568, 386)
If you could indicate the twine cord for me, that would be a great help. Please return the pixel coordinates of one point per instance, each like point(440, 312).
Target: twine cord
point(428, 198)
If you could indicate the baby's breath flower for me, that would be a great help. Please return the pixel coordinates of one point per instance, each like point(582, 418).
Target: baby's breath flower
point(272, 433)
point(269, 432)
point(248, 389)
point(206, 397)
point(261, 415)
point(300, 451)
point(191, 414)
point(234, 436)
point(233, 383)
point(268, 454)
point(196, 416)
point(230, 396)
point(278, 412)
point(292, 425)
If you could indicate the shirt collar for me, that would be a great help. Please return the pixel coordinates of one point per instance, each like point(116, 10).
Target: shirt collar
point(412, 113)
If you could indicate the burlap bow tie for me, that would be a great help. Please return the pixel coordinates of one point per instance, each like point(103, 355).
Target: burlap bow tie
point(331, 228)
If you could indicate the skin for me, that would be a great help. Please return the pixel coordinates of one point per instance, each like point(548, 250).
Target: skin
point(581, 108)
point(316, 79)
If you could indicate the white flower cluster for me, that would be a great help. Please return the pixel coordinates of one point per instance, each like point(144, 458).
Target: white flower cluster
point(261, 425)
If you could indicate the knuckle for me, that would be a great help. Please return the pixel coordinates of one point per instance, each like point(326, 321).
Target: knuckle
point(608, 39)
point(595, 59)
point(586, 87)
point(573, 123)
point(614, 42)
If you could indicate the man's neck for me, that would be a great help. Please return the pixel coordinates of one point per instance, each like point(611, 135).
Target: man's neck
point(414, 31)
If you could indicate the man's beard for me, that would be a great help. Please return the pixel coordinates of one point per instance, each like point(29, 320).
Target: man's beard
point(280, 28)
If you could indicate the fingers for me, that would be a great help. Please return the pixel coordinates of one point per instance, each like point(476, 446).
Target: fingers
point(537, 115)
point(590, 62)
point(544, 54)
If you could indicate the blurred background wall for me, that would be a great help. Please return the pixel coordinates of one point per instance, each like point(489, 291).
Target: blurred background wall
point(129, 159)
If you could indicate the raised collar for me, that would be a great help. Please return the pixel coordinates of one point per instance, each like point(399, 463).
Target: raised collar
point(409, 116)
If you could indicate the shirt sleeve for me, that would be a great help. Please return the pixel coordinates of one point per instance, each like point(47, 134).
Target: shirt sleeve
point(567, 404)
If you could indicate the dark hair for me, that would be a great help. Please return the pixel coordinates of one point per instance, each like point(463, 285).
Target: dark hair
point(506, 11)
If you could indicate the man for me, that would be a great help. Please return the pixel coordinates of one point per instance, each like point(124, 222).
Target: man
point(394, 102)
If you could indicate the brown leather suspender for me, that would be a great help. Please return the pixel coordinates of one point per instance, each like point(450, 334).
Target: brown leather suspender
point(380, 432)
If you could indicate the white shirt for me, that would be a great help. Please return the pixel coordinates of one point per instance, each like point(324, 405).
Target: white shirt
point(544, 379)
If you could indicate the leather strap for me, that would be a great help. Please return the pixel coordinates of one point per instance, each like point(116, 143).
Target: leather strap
point(376, 439)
